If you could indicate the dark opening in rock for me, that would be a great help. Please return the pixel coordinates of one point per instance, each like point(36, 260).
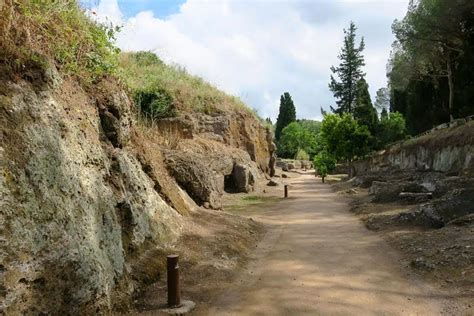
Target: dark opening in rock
point(229, 184)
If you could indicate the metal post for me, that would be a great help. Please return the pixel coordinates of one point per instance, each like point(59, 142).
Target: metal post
point(286, 190)
point(174, 295)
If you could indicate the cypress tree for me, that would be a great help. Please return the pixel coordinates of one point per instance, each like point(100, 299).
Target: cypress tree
point(363, 111)
point(286, 115)
point(349, 71)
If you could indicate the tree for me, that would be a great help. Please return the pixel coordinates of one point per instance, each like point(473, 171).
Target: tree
point(295, 137)
point(286, 115)
point(349, 71)
point(434, 33)
point(392, 128)
point(364, 112)
point(382, 99)
point(324, 163)
point(311, 125)
point(345, 138)
point(383, 114)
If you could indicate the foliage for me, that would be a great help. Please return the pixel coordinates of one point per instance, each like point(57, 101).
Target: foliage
point(286, 115)
point(36, 32)
point(301, 155)
point(313, 126)
point(344, 137)
point(324, 163)
point(392, 128)
point(430, 70)
point(155, 104)
point(349, 71)
point(295, 137)
point(364, 112)
point(171, 88)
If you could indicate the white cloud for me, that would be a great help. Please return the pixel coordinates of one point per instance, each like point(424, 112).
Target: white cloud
point(259, 49)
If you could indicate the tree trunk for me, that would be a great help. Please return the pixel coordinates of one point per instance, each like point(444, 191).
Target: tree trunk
point(323, 179)
point(451, 88)
point(350, 173)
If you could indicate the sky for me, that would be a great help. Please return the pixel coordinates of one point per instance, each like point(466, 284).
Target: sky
point(259, 49)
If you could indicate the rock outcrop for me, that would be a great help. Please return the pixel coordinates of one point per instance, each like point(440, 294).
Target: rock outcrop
point(214, 154)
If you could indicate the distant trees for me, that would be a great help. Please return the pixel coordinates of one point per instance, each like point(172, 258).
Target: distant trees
point(286, 115)
point(294, 138)
point(382, 99)
point(349, 71)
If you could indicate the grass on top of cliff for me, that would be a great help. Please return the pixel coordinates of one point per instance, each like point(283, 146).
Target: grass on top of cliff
point(36, 34)
point(162, 90)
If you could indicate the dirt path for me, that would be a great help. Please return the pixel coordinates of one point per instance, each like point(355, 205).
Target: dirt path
point(317, 258)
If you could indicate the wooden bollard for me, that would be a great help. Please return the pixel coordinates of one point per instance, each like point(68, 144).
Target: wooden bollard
point(286, 190)
point(174, 295)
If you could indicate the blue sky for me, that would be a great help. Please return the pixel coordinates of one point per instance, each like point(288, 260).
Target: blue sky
point(259, 49)
point(161, 8)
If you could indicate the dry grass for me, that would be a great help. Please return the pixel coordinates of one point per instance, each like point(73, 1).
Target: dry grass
point(454, 136)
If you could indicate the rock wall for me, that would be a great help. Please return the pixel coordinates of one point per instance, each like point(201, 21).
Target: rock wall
point(449, 151)
point(78, 207)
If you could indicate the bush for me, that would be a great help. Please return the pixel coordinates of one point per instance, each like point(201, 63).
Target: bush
point(156, 104)
point(301, 155)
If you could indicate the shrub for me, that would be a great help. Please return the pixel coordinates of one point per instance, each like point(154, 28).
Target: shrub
point(301, 155)
point(155, 104)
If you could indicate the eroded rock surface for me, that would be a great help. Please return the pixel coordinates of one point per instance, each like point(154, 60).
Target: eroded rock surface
point(78, 210)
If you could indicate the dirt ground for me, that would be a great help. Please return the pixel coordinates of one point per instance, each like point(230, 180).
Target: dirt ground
point(443, 257)
point(305, 255)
